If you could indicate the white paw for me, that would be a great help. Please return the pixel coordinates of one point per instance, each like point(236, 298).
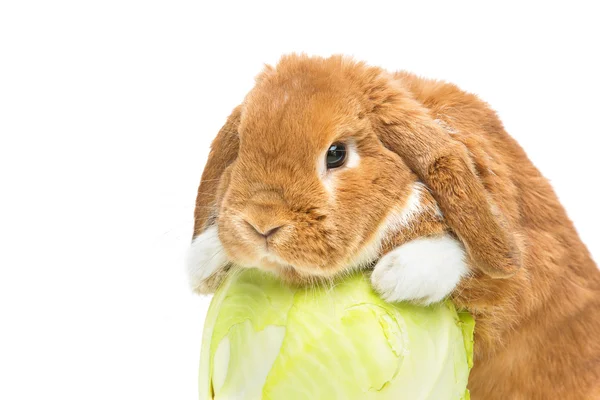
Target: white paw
point(424, 270)
point(205, 256)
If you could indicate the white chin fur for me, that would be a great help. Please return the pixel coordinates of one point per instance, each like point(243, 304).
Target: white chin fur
point(424, 270)
point(205, 256)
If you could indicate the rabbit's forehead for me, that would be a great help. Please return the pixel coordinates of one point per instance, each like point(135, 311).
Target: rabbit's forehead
point(282, 118)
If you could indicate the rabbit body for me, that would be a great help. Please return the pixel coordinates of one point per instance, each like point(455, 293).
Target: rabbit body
point(432, 195)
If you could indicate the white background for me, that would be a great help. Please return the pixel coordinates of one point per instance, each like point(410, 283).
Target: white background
point(107, 109)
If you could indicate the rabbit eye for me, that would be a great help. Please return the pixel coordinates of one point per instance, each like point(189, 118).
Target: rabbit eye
point(336, 155)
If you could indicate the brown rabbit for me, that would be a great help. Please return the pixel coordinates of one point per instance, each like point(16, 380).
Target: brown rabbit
point(331, 165)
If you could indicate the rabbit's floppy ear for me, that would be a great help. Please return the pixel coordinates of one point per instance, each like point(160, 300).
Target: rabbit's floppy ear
point(223, 152)
point(405, 127)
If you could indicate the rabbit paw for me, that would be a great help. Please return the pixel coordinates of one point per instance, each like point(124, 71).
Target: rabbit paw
point(205, 258)
point(423, 271)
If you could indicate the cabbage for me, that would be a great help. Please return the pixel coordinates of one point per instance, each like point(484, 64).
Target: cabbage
point(266, 340)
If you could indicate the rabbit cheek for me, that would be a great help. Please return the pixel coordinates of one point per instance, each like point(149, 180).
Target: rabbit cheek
point(397, 220)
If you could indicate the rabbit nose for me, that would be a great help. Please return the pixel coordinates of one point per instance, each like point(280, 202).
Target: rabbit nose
point(264, 231)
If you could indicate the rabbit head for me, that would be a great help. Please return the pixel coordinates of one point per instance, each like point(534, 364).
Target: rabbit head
point(324, 159)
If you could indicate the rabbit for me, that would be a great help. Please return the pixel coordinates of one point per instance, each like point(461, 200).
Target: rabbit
point(331, 165)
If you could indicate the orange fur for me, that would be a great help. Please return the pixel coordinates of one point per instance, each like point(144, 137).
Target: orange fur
point(534, 289)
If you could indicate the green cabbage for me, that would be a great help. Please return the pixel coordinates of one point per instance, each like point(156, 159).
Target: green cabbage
point(266, 340)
